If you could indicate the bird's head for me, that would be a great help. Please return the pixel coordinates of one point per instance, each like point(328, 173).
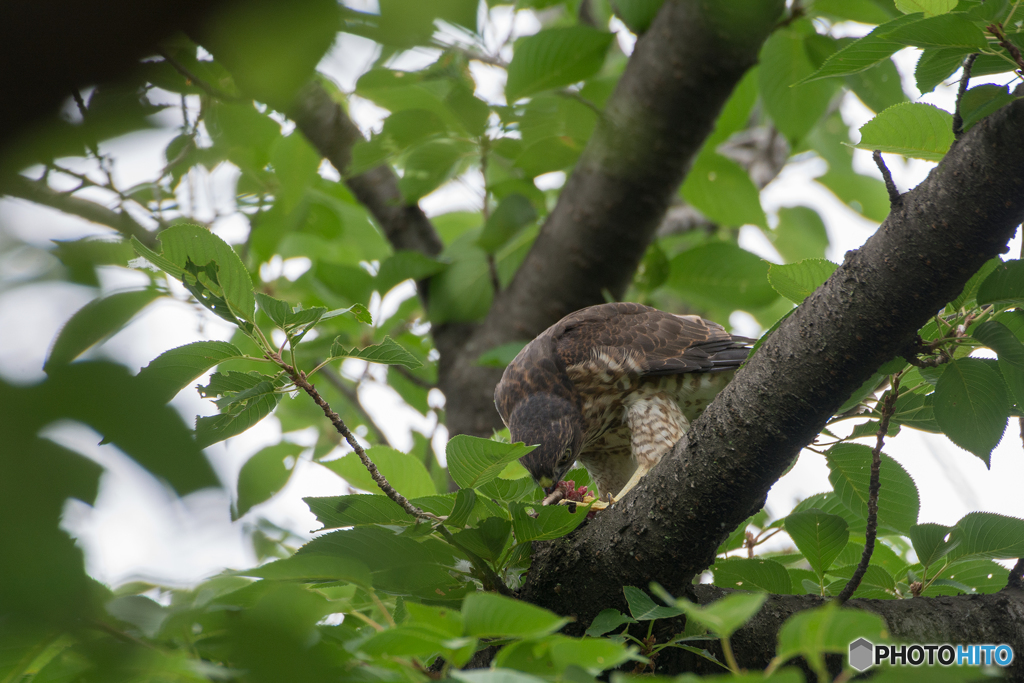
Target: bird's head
point(556, 425)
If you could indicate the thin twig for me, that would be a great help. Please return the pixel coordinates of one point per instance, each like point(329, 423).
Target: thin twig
point(352, 396)
point(958, 121)
point(895, 198)
point(412, 377)
point(299, 379)
point(1016, 578)
point(997, 31)
point(888, 408)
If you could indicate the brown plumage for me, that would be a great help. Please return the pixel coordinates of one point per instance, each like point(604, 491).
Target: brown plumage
point(613, 386)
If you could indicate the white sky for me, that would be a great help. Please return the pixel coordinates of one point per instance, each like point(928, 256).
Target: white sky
point(137, 529)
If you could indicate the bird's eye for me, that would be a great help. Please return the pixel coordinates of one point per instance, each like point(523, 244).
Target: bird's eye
point(566, 454)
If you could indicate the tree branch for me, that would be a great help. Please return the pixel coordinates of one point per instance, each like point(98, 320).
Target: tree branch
point(867, 313)
point(681, 73)
point(38, 191)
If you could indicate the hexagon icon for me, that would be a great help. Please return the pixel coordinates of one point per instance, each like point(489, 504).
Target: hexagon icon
point(861, 654)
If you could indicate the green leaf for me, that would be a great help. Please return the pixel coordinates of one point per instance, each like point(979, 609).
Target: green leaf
point(982, 100)
point(554, 58)
point(489, 539)
point(725, 615)
point(969, 576)
point(968, 296)
point(295, 165)
point(850, 474)
point(403, 265)
point(263, 475)
point(465, 501)
point(208, 267)
point(355, 510)
point(405, 472)
point(867, 196)
point(275, 309)
point(971, 406)
point(1005, 286)
point(865, 52)
point(879, 87)
point(473, 461)
point(723, 191)
point(246, 399)
point(357, 311)
point(930, 542)
point(608, 620)
point(431, 164)
point(929, 7)
point(388, 352)
point(488, 615)
point(797, 281)
point(313, 567)
point(551, 521)
point(829, 629)
point(876, 583)
point(916, 410)
point(637, 14)
point(786, 66)
point(97, 320)
point(462, 291)
point(513, 214)
point(752, 574)
point(643, 608)
point(819, 536)
point(721, 275)
point(173, 370)
point(936, 65)
point(1000, 339)
point(493, 675)
point(915, 130)
point(945, 30)
point(987, 535)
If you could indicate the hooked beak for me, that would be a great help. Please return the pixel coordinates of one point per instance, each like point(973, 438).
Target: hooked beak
point(548, 485)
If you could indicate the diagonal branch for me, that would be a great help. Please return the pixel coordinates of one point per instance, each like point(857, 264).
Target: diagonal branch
point(867, 313)
point(39, 192)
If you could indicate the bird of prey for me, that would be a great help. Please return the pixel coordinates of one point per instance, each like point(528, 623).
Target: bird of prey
point(613, 386)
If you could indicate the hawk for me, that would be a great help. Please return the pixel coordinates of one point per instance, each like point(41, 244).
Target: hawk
point(614, 387)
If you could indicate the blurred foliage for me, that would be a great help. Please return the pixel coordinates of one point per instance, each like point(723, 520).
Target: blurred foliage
point(383, 595)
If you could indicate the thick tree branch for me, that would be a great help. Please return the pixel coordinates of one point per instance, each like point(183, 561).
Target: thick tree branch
point(38, 191)
point(868, 312)
point(679, 76)
point(326, 125)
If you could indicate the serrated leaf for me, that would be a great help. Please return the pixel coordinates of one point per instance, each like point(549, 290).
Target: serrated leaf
point(987, 535)
point(173, 370)
point(246, 398)
point(355, 510)
point(554, 58)
point(912, 129)
point(865, 52)
point(929, 7)
point(488, 615)
point(465, 501)
point(830, 629)
point(982, 100)
point(608, 620)
point(723, 191)
point(473, 461)
point(945, 30)
point(969, 576)
point(536, 522)
point(1005, 286)
point(752, 574)
point(971, 406)
point(97, 320)
point(724, 615)
point(819, 536)
point(388, 352)
point(275, 309)
point(879, 87)
point(850, 474)
point(876, 582)
point(916, 410)
point(1000, 339)
point(786, 65)
point(721, 274)
point(313, 567)
point(796, 281)
point(263, 475)
point(643, 608)
point(930, 542)
point(208, 267)
point(406, 473)
point(489, 539)
point(936, 65)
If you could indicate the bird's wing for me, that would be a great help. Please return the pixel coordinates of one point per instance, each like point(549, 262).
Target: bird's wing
point(647, 341)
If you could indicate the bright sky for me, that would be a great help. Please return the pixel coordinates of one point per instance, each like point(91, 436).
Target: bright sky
point(137, 529)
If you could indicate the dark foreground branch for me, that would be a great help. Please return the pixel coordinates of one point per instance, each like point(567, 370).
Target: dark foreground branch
point(867, 313)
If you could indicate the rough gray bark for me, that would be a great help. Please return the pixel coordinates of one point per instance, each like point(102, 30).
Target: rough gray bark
point(668, 528)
